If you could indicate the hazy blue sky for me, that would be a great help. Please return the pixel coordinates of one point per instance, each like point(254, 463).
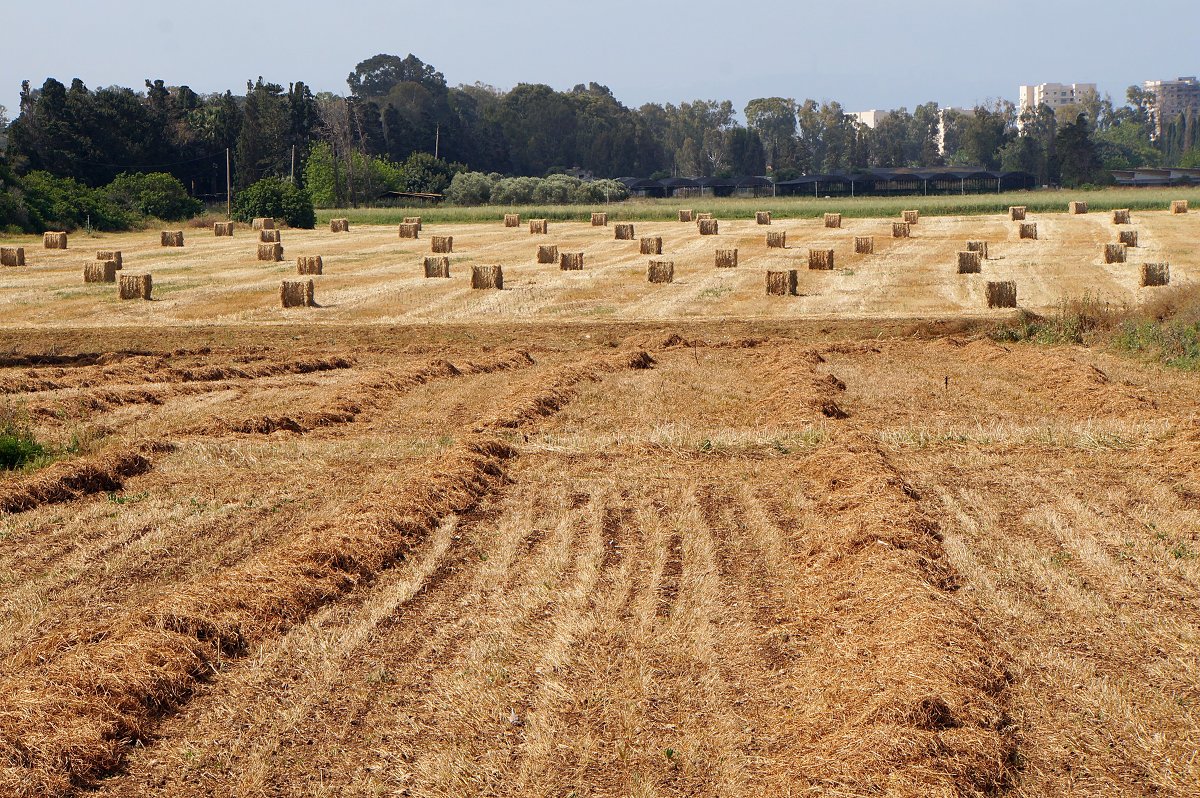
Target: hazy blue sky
point(868, 54)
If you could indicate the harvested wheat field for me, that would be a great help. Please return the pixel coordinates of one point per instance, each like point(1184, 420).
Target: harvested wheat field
point(414, 542)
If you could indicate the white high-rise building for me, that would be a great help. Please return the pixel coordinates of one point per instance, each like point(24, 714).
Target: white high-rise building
point(1055, 95)
point(870, 118)
point(1171, 98)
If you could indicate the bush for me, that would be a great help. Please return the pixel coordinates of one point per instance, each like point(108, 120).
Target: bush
point(599, 191)
point(64, 204)
point(18, 447)
point(277, 199)
point(470, 188)
point(155, 194)
point(555, 190)
point(514, 191)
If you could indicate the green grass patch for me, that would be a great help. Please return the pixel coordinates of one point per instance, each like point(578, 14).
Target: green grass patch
point(18, 446)
point(1174, 343)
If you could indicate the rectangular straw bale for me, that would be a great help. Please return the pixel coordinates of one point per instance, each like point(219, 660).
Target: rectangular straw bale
point(441, 245)
point(222, 229)
point(702, 216)
point(512, 220)
point(652, 246)
point(171, 238)
point(12, 256)
point(1179, 206)
point(708, 227)
point(777, 240)
point(623, 232)
point(135, 286)
point(110, 254)
point(408, 230)
point(262, 223)
point(1155, 274)
point(727, 258)
point(268, 236)
point(54, 240)
point(270, 252)
point(864, 245)
point(339, 225)
point(487, 277)
point(1121, 216)
point(686, 216)
point(901, 230)
point(538, 227)
point(414, 220)
point(437, 267)
point(547, 253)
point(1077, 207)
point(762, 217)
point(310, 264)
point(833, 220)
point(821, 259)
point(970, 263)
point(571, 261)
point(1128, 237)
point(297, 294)
point(912, 217)
point(1114, 253)
point(661, 271)
point(100, 271)
point(1002, 294)
point(784, 283)
point(599, 220)
point(1016, 213)
point(978, 246)
point(1029, 230)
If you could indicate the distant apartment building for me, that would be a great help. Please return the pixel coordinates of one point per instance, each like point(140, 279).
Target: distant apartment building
point(870, 118)
point(1171, 98)
point(1055, 95)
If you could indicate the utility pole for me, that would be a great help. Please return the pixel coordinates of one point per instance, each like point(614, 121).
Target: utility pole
point(437, 140)
point(228, 188)
point(293, 164)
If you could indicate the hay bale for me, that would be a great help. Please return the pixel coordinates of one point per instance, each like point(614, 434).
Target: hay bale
point(1028, 230)
point(268, 236)
point(911, 217)
point(571, 262)
point(297, 294)
point(762, 217)
point(441, 245)
point(1114, 253)
point(901, 230)
point(784, 283)
point(970, 262)
point(487, 277)
point(538, 227)
point(1076, 208)
point(309, 264)
point(1179, 206)
point(1128, 237)
point(1016, 213)
point(1155, 274)
point(414, 220)
point(1121, 216)
point(547, 253)
point(599, 220)
point(135, 286)
point(513, 220)
point(687, 216)
point(272, 253)
point(864, 245)
point(651, 246)
point(222, 229)
point(700, 217)
point(339, 225)
point(262, 223)
point(171, 238)
point(100, 271)
point(409, 230)
point(978, 246)
point(12, 256)
point(623, 232)
point(54, 240)
point(821, 259)
point(437, 267)
point(1002, 294)
point(833, 220)
point(708, 227)
point(110, 254)
point(727, 258)
point(777, 240)
point(661, 271)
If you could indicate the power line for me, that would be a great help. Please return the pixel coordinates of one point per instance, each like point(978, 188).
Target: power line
point(214, 155)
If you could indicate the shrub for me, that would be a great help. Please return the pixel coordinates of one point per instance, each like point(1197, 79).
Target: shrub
point(599, 191)
point(470, 188)
point(64, 204)
point(555, 190)
point(514, 191)
point(18, 447)
point(154, 194)
point(275, 198)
